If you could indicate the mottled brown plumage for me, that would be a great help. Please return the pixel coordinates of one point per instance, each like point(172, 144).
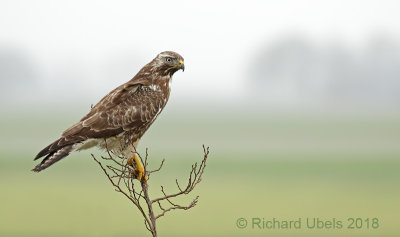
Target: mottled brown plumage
point(122, 117)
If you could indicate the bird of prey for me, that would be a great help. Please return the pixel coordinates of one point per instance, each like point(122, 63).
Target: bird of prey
point(119, 120)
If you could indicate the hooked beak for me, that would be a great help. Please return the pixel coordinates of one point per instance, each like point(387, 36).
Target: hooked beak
point(181, 65)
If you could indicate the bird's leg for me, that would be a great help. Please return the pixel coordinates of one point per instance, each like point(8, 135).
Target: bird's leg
point(139, 171)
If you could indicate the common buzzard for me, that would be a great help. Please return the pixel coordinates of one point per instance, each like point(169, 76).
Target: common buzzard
point(121, 118)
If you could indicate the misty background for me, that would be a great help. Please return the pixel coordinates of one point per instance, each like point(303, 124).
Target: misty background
point(248, 66)
point(299, 102)
point(291, 53)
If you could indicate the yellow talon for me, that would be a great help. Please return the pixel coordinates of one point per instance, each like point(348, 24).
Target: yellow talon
point(139, 170)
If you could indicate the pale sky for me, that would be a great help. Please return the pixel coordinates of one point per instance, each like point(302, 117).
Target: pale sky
point(217, 38)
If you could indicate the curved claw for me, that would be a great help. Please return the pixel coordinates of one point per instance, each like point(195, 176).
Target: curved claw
point(139, 171)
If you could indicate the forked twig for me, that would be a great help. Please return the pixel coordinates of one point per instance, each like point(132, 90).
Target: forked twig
point(117, 169)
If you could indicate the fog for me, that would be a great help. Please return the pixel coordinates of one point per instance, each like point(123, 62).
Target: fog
point(321, 54)
point(296, 70)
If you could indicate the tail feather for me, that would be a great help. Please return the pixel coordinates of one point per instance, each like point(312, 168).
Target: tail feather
point(56, 151)
point(52, 157)
point(53, 147)
point(43, 152)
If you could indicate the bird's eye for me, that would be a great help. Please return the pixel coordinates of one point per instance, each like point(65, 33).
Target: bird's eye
point(169, 59)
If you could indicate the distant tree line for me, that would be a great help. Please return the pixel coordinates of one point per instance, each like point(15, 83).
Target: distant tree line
point(295, 68)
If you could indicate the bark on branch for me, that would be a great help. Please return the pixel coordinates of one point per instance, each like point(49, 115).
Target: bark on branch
point(122, 176)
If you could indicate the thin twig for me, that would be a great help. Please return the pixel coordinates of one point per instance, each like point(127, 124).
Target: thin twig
point(117, 170)
point(159, 168)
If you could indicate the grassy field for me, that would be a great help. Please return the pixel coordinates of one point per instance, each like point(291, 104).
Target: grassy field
point(351, 172)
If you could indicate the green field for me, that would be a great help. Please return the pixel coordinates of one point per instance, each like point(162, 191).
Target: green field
point(267, 168)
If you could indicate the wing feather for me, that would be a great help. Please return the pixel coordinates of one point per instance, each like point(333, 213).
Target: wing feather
point(124, 108)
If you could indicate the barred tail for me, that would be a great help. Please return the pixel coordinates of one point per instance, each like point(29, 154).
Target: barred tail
point(53, 157)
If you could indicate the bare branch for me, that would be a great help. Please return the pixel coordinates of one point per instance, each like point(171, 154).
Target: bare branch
point(159, 168)
point(117, 169)
point(176, 207)
point(177, 184)
point(194, 178)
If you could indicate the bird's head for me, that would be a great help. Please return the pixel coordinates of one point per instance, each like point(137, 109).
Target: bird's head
point(169, 62)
